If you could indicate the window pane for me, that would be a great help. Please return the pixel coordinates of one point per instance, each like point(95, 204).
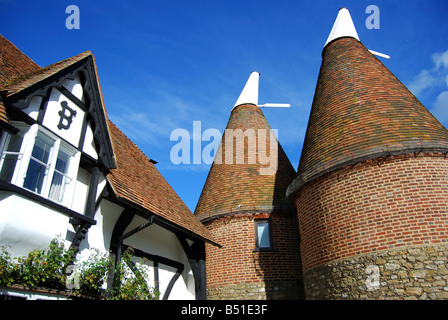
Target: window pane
point(35, 175)
point(57, 187)
point(264, 240)
point(10, 157)
point(15, 142)
point(41, 150)
point(37, 168)
point(62, 162)
point(59, 180)
point(8, 166)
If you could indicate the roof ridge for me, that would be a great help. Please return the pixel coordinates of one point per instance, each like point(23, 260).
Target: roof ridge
point(54, 67)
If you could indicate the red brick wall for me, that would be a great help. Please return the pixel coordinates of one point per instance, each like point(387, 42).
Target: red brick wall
point(236, 262)
point(374, 205)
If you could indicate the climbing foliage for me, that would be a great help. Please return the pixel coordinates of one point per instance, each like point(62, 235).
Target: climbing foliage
point(92, 276)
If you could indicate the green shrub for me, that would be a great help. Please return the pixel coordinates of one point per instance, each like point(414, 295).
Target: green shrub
point(54, 268)
point(131, 285)
point(6, 268)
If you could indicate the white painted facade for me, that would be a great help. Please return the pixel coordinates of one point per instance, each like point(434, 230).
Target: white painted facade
point(54, 147)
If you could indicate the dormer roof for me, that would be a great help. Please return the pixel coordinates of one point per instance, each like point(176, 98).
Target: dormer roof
point(19, 89)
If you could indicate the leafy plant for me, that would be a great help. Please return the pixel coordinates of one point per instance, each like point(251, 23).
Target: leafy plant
point(6, 268)
point(94, 272)
point(131, 285)
point(41, 268)
point(48, 268)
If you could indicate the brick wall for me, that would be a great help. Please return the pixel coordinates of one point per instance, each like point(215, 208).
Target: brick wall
point(236, 271)
point(372, 206)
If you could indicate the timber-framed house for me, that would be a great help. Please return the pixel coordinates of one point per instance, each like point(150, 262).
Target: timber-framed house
point(66, 170)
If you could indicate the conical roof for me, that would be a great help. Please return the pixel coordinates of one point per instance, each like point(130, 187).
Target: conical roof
point(361, 111)
point(233, 185)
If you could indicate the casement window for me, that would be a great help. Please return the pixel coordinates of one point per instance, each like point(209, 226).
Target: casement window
point(263, 235)
point(39, 161)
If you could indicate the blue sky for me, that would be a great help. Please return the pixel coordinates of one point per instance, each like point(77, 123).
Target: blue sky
point(164, 64)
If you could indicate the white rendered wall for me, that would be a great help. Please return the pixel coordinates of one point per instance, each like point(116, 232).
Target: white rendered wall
point(26, 225)
point(153, 240)
point(89, 145)
point(159, 241)
point(75, 87)
point(33, 108)
point(99, 235)
point(81, 191)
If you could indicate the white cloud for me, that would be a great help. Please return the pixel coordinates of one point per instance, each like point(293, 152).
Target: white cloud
point(423, 80)
point(440, 59)
point(437, 75)
point(440, 107)
point(140, 128)
point(434, 80)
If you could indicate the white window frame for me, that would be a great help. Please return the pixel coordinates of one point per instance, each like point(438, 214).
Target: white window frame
point(4, 141)
point(26, 149)
point(268, 230)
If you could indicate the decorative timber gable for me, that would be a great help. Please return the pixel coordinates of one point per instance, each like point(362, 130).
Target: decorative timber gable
point(66, 99)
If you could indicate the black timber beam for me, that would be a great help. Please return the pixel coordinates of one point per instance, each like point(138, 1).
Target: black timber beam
point(196, 257)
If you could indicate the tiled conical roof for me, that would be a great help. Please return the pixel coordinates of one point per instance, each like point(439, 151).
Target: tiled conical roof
point(230, 186)
point(362, 111)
